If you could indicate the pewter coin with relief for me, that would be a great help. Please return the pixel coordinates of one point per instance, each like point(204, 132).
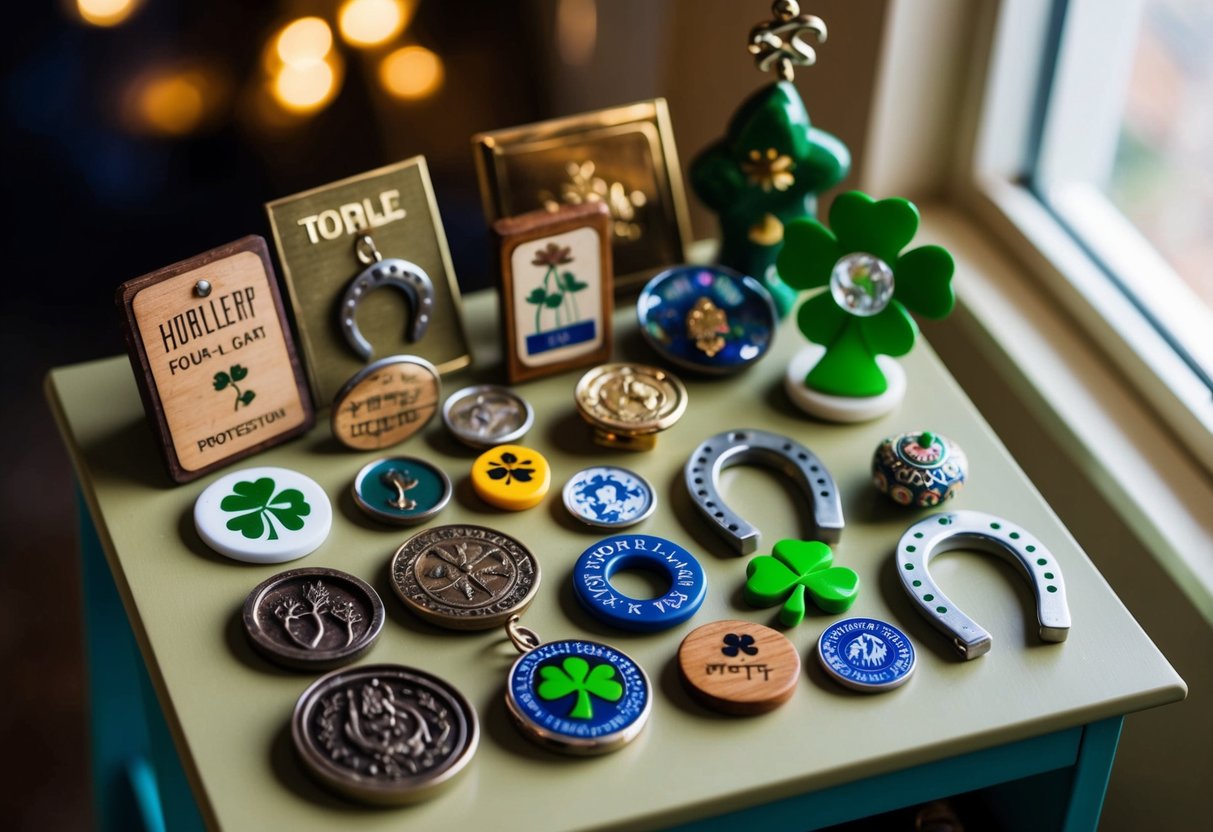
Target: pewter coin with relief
point(313, 619)
point(487, 415)
point(465, 577)
point(384, 734)
point(263, 515)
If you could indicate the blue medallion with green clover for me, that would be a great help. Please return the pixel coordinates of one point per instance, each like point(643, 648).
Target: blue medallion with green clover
point(578, 691)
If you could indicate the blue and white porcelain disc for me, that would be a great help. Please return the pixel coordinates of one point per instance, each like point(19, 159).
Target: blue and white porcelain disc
point(688, 585)
point(609, 497)
point(866, 654)
point(579, 697)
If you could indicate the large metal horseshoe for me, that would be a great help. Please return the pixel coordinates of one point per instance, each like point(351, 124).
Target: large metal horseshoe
point(758, 447)
point(405, 276)
point(985, 533)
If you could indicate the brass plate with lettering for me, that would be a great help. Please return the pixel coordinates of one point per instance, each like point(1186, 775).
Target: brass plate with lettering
point(386, 403)
point(624, 157)
point(316, 233)
point(214, 359)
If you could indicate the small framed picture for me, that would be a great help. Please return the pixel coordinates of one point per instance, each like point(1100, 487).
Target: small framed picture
point(623, 158)
point(556, 290)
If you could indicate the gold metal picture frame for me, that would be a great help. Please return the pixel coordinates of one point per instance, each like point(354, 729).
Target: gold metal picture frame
point(624, 157)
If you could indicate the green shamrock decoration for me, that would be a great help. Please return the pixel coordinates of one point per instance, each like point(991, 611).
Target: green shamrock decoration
point(234, 374)
point(922, 282)
point(765, 173)
point(793, 567)
point(259, 506)
point(575, 676)
point(559, 288)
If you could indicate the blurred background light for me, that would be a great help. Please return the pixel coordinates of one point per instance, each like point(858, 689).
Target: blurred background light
point(106, 12)
point(309, 88)
point(304, 42)
point(411, 72)
point(576, 31)
point(366, 23)
point(172, 101)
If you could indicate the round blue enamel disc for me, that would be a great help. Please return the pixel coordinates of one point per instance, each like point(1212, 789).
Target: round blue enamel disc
point(866, 654)
point(707, 318)
point(688, 585)
point(579, 697)
point(609, 497)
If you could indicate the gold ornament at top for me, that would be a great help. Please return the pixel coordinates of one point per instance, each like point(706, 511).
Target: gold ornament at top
point(778, 43)
point(769, 169)
point(707, 324)
point(583, 187)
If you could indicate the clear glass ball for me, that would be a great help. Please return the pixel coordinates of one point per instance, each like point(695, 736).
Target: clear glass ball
point(862, 284)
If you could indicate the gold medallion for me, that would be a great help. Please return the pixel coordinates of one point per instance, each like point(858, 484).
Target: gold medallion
point(629, 404)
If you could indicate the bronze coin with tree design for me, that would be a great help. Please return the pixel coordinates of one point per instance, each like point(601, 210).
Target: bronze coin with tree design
point(465, 577)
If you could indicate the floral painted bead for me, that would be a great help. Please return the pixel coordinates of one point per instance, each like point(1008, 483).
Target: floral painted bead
point(919, 469)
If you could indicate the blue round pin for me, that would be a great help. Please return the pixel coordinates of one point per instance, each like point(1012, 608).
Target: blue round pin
point(707, 318)
point(609, 497)
point(688, 585)
point(866, 654)
point(580, 697)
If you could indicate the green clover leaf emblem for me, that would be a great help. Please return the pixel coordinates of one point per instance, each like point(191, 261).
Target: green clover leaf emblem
point(575, 676)
point(922, 283)
point(257, 506)
point(235, 373)
point(794, 567)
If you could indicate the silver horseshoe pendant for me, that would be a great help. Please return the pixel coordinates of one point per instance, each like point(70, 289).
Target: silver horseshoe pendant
point(406, 276)
point(769, 450)
point(985, 533)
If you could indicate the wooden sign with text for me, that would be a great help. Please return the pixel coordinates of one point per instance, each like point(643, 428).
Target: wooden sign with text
point(213, 357)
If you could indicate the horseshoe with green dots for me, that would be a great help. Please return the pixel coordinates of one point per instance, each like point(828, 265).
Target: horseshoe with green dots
point(985, 533)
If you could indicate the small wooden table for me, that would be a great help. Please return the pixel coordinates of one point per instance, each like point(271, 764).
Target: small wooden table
point(1037, 718)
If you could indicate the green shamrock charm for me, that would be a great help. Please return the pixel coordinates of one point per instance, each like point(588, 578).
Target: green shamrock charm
point(575, 676)
point(793, 567)
point(258, 506)
point(866, 288)
point(235, 373)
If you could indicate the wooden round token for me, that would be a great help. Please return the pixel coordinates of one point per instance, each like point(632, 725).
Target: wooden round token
point(386, 402)
point(739, 667)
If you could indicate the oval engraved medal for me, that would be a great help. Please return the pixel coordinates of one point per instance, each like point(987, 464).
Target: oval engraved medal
point(465, 577)
point(385, 734)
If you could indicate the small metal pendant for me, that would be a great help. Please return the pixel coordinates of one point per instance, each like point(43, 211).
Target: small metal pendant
point(575, 696)
point(486, 415)
point(406, 276)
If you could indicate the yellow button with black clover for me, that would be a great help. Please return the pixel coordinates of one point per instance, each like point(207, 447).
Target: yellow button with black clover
point(511, 477)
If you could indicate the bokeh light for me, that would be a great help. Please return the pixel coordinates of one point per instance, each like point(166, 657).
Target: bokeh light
point(173, 101)
point(105, 12)
point(411, 72)
point(305, 89)
point(304, 42)
point(366, 23)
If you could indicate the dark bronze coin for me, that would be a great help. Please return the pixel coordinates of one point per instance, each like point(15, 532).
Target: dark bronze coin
point(465, 577)
point(384, 733)
point(313, 619)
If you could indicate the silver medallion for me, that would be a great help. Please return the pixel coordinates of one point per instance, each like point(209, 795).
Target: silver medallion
point(487, 415)
point(313, 619)
point(384, 734)
point(465, 577)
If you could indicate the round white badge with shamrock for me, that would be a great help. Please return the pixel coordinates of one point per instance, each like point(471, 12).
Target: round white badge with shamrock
point(263, 515)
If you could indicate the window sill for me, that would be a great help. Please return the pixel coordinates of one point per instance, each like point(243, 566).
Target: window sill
point(1011, 333)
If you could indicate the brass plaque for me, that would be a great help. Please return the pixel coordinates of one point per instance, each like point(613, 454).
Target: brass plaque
point(623, 157)
point(317, 233)
point(213, 357)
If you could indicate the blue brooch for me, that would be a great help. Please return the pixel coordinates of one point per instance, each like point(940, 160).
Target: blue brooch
point(866, 654)
point(593, 588)
point(609, 497)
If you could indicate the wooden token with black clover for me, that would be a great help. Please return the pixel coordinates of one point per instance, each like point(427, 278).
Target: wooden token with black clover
point(739, 667)
point(465, 577)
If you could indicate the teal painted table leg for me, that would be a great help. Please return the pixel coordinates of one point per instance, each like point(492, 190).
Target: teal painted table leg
point(1091, 774)
point(138, 783)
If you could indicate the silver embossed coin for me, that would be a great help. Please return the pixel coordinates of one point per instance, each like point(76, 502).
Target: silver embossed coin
point(465, 577)
point(487, 415)
point(384, 733)
point(313, 619)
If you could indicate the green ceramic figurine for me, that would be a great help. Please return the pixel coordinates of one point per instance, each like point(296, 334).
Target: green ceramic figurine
point(866, 287)
point(771, 163)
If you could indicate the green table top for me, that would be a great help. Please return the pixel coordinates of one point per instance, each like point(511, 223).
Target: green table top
point(229, 710)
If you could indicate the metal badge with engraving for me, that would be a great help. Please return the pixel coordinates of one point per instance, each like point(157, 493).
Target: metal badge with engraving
point(402, 490)
point(629, 404)
point(487, 415)
point(327, 263)
point(384, 734)
point(313, 619)
point(465, 577)
point(386, 403)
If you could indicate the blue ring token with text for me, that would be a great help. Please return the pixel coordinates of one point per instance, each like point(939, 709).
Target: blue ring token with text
point(579, 697)
point(609, 497)
point(866, 654)
point(688, 585)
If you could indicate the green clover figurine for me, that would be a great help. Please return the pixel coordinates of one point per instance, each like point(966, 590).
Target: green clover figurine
point(771, 163)
point(794, 568)
point(866, 289)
